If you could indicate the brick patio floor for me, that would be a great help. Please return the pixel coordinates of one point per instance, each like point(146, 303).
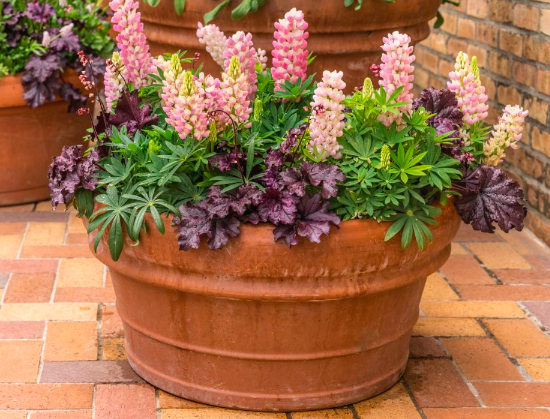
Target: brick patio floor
point(481, 348)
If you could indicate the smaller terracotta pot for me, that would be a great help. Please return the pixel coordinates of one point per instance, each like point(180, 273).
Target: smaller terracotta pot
point(30, 138)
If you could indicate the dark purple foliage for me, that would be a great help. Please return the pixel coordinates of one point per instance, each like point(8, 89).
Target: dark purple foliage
point(13, 28)
point(39, 12)
point(41, 80)
point(488, 196)
point(68, 43)
point(442, 103)
point(42, 67)
point(69, 172)
point(277, 206)
point(324, 175)
point(313, 219)
point(223, 161)
point(72, 95)
point(129, 114)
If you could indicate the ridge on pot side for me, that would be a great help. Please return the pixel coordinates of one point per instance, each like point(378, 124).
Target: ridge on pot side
point(39, 68)
point(307, 220)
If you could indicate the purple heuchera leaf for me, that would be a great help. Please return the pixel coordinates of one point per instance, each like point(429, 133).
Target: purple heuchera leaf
point(293, 180)
point(444, 104)
point(488, 196)
point(324, 175)
point(36, 93)
point(68, 43)
point(42, 68)
point(129, 114)
point(245, 196)
point(277, 207)
point(69, 172)
point(39, 12)
point(312, 220)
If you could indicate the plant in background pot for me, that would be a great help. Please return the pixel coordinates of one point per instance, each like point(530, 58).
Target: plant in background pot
point(39, 66)
point(306, 220)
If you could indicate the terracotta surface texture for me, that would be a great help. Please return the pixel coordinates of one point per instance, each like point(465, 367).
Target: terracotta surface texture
point(472, 356)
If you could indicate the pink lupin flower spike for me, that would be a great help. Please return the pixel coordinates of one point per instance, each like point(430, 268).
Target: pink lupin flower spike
point(240, 46)
point(290, 48)
point(215, 41)
point(134, 51)
point(506, 133)
point(466, 84)
point(396, 71)
point(327, 123)
point(235, 87)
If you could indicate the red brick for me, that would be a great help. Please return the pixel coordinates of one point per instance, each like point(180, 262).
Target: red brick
point(45, 396)
point(30, 288)
point(486, 413)
point(125, 402)
point(60, 414)
point(455, 46)
point(464, 269)
point(77, 238)
point(19, 361)
point(28, 266)
point(523, 276)
point(4, 280)
point(541, 310)
point(538, 261)
point(481, 359)
point(111, 323)
point(521, 338)
point(505, 292)
point(538, 109)
point(499, 64)
point(477, 8)
point(436, 383)
point(537, 49)
point(85, 295)
point(487, 33)
point(466, 28)
point(12, 228)
point(467, 234)
point(56, 251)
point(426, 347)
point(526, 17)
point(514, 394)
point(88, 372)
point(543, 81)
point(21, 330)
point(524, 73)
point(500, 11)
point(508, 94)
point(71, 341)
point(511, 42)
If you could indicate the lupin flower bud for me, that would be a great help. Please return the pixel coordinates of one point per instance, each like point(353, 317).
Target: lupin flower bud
point(290, 48)
point(506, 133)
point(396, 71)
point(384, 157)
point(214, 39)
point(466, 83)
point(258, 109)
point(213, 137)
point(327, 125)
point(188, 87)
point(368, 88)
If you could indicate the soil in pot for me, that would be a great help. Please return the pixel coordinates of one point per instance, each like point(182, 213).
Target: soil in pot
point(30, 139)
point(340, 37)
point(261, 326)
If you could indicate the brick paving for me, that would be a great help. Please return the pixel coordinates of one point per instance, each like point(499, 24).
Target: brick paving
point(481, 348)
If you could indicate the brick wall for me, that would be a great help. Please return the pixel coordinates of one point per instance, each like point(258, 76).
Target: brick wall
point(511, 39)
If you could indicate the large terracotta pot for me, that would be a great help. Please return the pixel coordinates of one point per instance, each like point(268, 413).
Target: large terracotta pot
point(30, 138)
point(261, 326)
point(341, 38)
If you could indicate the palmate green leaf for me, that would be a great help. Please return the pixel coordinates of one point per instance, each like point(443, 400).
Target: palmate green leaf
point(414, 222)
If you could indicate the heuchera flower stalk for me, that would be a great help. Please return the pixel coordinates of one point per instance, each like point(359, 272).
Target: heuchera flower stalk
point(327, 122)
point(396, 71)
point(215, 41)
point(506, 133)
point(134, 50)
point(290, 48)
point(240, 46)
point(466, 84)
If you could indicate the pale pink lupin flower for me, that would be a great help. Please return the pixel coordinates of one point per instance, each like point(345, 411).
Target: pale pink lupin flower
point(290, 48)
point(240, 46)
point(327, 122)
point(134, 51)
point(235, 87)
point(261, 58)
point(113, 82)
point(214, 39)
point(506, 133)
point(466, 84)
point(396, 71)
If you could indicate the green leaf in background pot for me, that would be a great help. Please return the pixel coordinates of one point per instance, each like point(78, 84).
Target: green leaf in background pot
point(179, 5)
point(208, 17)
point(242, 9)
point(153, 3)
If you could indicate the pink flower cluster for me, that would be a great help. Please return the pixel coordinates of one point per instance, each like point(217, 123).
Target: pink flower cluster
point(113, 81)
point(466, 84)
point(235, 86)
point(506, 133)
point(240, 46)
point(327, 123)
point(396, 71)
point(134, 50)
point(215, 40)
point(290, 48)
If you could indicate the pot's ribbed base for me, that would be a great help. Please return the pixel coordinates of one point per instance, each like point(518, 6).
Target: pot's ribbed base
point(263, 400)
